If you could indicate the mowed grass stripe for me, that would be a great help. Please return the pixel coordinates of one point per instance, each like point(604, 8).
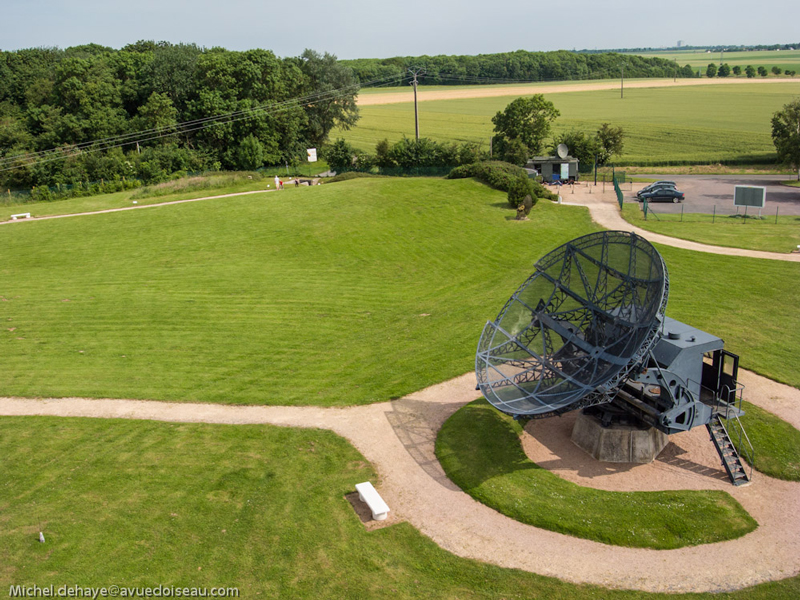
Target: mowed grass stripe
point(308, 296)
point(342, 294)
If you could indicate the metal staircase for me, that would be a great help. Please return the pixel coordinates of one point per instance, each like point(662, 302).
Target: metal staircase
point(733, 463)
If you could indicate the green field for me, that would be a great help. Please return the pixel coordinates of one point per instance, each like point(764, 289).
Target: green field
point(480, 450)
point(720, 230)
point(700, 59)
point(137, 503)
point(682, 125)
point(348, 293)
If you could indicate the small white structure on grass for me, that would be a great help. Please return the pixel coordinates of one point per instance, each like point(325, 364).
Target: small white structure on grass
point(370, 496)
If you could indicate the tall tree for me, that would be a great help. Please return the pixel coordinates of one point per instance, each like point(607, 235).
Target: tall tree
point(581, 146)
point(610, 142)
point(786, 134)
point(333, 90)
point(527, 119)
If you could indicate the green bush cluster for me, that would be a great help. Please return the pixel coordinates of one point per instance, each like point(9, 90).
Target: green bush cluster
point(505, 177)
point(349, 175)
point(81, 189)
point(407, 155)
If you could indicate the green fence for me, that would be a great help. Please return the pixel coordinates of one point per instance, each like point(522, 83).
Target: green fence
point(618, 191)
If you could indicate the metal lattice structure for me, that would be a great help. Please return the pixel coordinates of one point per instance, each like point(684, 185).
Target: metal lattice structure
point(574, 330)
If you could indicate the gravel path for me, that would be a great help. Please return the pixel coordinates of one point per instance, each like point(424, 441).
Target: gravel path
point(398, 439)
point(605, 212)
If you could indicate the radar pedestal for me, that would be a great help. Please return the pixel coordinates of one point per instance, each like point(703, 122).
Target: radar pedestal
point(617, 442)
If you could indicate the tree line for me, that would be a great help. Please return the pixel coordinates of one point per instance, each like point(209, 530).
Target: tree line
point(152, 108)
point(515, 66)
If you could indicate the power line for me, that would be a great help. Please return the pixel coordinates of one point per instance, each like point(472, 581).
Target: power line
point(185, 127)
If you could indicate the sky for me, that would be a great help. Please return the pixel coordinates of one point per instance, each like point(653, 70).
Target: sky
point(385, 28)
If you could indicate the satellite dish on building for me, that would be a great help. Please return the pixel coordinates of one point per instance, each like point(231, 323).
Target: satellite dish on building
point(562, 151)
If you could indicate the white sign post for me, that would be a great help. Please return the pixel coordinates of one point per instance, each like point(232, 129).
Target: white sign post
point(312, 154)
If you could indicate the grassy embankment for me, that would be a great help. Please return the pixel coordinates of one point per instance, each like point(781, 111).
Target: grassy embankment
point(680, 125)
point(257, 507)
point(185, 188)
point(720, 230)
point(344, 294)
point(480, 450)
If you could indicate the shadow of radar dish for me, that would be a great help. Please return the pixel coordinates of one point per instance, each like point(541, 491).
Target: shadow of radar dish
point(576, 328)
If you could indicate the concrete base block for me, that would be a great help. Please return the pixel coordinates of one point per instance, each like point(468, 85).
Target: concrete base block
point(617, 443)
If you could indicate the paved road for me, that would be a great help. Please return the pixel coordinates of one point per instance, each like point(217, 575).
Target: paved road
point(704, 192)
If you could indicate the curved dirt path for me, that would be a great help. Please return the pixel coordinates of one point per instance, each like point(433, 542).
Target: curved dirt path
point(605, 212)
point(398, 439)
point(544, 88)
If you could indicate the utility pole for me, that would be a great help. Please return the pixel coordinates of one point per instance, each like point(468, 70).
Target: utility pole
point(415, 72)
point(622, 81)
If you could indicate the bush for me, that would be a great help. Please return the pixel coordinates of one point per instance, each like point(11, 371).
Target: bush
point(501, 176)
point(776, 70)
point(521, 188)
point(339, 156)
point(349, 175)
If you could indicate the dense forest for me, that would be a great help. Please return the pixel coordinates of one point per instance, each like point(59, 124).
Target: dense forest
point(515, 66)
point(152, 109)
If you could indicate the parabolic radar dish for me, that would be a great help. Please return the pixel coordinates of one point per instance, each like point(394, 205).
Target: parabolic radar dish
point(571, 334)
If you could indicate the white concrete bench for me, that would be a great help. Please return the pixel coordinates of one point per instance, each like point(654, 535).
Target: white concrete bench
point(20, 216)
point(369, 495)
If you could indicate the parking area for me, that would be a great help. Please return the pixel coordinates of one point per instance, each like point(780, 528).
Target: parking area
point(707, 193)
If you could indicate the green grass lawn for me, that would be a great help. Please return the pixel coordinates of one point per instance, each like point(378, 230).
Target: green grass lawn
point(720, 230)
point(305, 296)
point(351, 293)
point(682, 125)
point(480, 450)
point(256, 507)
point(776, 443)
point(210, 184)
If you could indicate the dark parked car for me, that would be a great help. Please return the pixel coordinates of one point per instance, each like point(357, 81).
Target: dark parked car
point(662, 194)
point(656, 185)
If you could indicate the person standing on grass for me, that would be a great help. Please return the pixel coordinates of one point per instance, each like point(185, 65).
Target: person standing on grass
point(277, 183)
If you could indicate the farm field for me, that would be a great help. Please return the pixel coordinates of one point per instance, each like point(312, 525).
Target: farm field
point(700, 59)
point(680, 125)
point(379, 289)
